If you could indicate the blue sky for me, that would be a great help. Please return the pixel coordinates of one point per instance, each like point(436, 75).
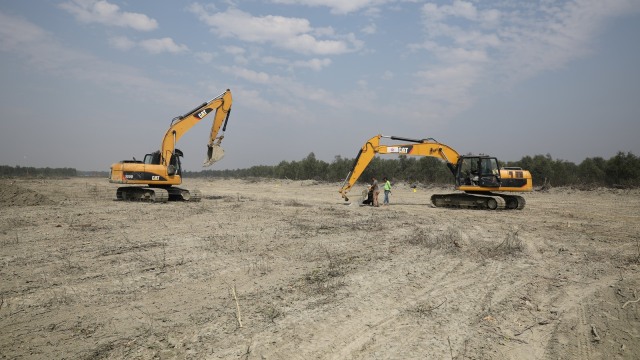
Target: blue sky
point(86, 83)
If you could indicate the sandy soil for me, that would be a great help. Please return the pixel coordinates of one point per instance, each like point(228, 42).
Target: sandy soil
point(286, 270)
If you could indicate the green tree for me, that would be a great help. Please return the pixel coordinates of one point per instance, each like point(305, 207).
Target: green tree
point(339, 168)
point(623, 169)
point(591, 171)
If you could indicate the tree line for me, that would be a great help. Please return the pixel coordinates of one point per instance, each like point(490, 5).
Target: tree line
point(622, 170)
point(32, 172)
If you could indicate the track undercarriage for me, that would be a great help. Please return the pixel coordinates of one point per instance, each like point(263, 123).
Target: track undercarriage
point(483, 201)
point(156, 194)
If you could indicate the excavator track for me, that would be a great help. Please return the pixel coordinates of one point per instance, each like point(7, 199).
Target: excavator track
point(180, 194)
point(513, 202)
point(154, 194)
point(146, 194)
point(469, 201)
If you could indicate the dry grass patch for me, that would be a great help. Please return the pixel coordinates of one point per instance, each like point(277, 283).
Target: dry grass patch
point(328, 278)
point(450, 238)
point(511, 245)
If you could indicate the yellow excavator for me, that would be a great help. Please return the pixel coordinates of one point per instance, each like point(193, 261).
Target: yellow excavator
point(479, 177)
point(155, 178)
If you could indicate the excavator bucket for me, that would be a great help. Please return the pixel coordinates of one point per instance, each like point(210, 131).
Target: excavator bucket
point(214, 153)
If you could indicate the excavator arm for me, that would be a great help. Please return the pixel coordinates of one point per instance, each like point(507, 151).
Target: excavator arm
point(423, 147)
point(221, 105)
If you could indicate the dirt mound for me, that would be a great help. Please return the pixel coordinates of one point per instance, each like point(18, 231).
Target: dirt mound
point(12, 194)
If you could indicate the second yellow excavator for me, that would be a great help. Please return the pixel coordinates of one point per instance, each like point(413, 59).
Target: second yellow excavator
point(154, 178)
point(479, 177)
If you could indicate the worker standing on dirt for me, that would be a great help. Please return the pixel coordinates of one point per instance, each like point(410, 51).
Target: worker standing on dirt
point(376, 191)
point(387, 191)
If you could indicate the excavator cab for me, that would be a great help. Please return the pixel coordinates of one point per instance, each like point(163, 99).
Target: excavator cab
point(478, 171)
point(175, 168)
point(153, 158)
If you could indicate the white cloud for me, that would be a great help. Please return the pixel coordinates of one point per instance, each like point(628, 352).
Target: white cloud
point(234, 50)
point(372, 12)
point(272, 60)
point(103, 12)
point(448, 53)
point(444, 21)
point(307, 44)
point(42, 52)
point(204, 57)
point(294, 34)
point(278, 111)
point(336, 6)
point(531, 36)
point(369, 29)
point(249, 75)
point(313, 64)
point(15, 32)
point(287, 87)
point(239, 54)
point(469, 42)
point(556, 36)
point(461, 9)
point(448, 82)
point(153, 46)
point(38, 47)
point(122, 43)
point(157, 46)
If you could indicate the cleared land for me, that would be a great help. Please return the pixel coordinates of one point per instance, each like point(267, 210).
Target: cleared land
point(286, 270)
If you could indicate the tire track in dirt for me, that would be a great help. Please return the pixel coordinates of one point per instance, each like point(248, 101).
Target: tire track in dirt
point(394, 324)
point(573, 336)
point(459, 292)
point(349, 331)
point(472, 304)
point(583, 329)
point(387, 325)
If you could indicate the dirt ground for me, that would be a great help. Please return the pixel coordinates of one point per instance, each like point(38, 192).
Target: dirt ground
point(286, 270)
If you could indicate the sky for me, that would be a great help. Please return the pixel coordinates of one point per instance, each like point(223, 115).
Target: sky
point(87, 83)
